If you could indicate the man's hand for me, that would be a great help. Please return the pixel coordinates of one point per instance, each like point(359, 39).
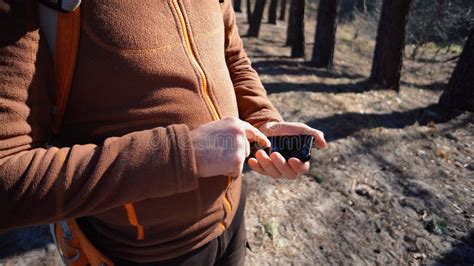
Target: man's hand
point(275, 165)
point(220, 147)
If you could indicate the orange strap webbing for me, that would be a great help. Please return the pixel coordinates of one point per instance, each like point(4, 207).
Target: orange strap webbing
point(75, 248)
point(67, 43)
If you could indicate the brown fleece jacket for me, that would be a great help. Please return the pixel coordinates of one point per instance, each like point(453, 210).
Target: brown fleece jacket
point(126, 161)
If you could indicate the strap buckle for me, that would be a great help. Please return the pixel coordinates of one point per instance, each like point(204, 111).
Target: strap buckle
point(61, 5)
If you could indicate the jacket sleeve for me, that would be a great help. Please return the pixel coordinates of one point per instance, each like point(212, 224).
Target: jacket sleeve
point(42, 185)
point(254, 106)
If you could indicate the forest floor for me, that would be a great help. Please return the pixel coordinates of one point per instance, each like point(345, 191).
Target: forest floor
point(395, 185)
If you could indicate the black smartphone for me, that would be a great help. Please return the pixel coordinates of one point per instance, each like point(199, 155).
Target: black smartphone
point(298, 146)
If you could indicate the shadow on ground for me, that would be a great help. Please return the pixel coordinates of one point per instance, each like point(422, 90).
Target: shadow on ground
point(22, 240)
point(342, 125)
point(355, 87)
point(283, 65)
point(462, 254)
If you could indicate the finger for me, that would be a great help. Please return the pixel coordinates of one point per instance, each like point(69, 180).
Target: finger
point(318, 135)
point(267, 164)
point(253, 134)
point(282, 166)
point(298, 166)
point(291, 128)
point(255, 166)
point(247, 147)
point(285, 128)
point(272, 128)
point(243, 146)
point(238, 150)
point(319, 138)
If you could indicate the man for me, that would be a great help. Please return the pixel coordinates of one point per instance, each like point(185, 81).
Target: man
point(157, 84)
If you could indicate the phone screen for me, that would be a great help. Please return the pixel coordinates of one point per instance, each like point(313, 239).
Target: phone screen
point(297, 146)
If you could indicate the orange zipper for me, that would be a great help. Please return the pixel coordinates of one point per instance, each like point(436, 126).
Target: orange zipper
point(192, 54)
point(212, 108)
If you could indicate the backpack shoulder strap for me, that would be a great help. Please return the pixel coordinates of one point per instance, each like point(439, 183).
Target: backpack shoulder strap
point(62, 31)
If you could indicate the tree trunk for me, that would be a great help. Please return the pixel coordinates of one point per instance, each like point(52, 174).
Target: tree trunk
point(297, 45)
point(249, 12)
point(388, 55)
point(238, 6)
point(290, 29)
point(282, 10)
point(272, 12)
point(325, 38)
point(256, 20)
point(459, 93)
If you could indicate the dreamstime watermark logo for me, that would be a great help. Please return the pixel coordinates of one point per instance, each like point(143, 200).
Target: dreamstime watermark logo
point(223, 141)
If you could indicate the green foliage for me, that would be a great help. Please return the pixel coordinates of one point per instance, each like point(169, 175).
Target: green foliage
point(271, 228)
point(436, 225)
point(451, 48)
point(316, 176)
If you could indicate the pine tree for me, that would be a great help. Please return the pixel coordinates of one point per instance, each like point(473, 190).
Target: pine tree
point(325, 38)
point(390, 43)
point(272, 12)
point(297, 45)
point(256, 21)
point(459, 93)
